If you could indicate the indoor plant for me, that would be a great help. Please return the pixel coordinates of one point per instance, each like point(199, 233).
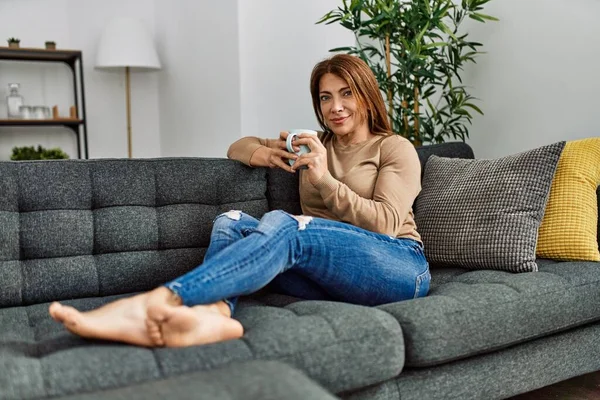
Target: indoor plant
point(31, 153)
point(417, 53)
point(13, 42)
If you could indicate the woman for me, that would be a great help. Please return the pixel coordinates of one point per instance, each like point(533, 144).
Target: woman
point(356, 242)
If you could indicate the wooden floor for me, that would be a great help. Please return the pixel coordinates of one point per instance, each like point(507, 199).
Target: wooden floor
point(585, 387)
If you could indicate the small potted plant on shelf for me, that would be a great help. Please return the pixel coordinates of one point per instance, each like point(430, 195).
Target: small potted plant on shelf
point(13, 42)
point(50, 45)
point(31, 153)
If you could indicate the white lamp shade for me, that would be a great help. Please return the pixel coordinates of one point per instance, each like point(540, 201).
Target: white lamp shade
point(126, 42)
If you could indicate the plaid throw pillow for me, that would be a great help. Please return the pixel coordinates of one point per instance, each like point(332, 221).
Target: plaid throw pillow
point(485, 214)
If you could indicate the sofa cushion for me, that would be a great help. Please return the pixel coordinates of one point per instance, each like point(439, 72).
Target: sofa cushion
point(472, 312)
point(84, 228)
point(485, 213)
point(505, 373)
point(283, 191)
point(448, 150)
point(341, 346)
point(254, 380)
point(569, 229)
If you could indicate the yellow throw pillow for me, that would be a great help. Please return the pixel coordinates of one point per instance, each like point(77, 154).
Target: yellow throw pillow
point(569, 228)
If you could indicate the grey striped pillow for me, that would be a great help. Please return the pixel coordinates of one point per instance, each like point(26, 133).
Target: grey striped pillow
point(485, 214)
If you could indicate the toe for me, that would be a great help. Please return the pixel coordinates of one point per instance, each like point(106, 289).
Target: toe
point(55, 311)
point(158, 313)
point(66, 315)
point(158, 341)
point(69, 316)
point(154, 333)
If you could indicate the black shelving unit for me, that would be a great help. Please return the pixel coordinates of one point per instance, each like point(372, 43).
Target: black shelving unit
point(74, 60)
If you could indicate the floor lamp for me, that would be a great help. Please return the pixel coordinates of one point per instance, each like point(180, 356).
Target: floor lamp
point(126, 43)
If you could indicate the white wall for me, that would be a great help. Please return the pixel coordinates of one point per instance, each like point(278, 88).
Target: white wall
point(539, 81)
point(78, 24)
point(199, 84)
point(240, 67)
point(279, 45)
point(237, 68)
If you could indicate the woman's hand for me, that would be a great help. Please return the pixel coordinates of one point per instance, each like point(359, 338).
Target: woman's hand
point(315, 161)
point(276, 155)
point(280, 143)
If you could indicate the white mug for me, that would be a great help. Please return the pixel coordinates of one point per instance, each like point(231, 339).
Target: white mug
point(290, 139)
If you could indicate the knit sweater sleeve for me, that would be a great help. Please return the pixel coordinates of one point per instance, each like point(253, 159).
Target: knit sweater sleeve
point(397, 185)
point(243, 149)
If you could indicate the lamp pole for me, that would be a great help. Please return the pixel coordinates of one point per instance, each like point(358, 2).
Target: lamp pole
point(126, 43)
point(128, 104)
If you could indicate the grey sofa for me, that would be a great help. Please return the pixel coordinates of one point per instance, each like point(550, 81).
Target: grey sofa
point(90, 231)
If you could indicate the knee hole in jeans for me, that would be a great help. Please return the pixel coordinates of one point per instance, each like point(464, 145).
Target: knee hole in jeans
point(235, 215)
point(277, 219)
point(303, 220)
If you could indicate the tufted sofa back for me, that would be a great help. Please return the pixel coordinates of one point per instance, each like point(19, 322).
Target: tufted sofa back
point(85, 228)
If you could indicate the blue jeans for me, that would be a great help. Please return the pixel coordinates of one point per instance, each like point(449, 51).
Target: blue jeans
point(305, 257)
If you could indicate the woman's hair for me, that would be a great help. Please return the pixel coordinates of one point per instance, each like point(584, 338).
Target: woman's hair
point(363, 85)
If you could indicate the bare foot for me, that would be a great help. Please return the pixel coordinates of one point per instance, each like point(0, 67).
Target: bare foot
point(179, 326)
point(122, 320)
point(157, 298)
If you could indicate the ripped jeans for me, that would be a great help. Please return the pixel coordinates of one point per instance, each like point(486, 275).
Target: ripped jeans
point(306, 257)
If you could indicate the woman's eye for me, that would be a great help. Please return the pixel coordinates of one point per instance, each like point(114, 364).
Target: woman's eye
point(347, 93)
point(324, 98)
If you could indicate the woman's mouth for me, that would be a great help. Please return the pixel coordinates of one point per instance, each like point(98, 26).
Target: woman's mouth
point(339, 121)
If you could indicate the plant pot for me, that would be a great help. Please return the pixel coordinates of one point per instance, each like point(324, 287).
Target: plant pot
point(13, 45)
point(50, 46)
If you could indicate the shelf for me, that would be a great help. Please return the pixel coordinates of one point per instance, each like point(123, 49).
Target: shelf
point(41, 122)
point(31, 54)
point(74, 60)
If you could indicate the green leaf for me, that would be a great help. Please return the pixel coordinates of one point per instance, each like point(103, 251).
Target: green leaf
point(460, 111)
point(347, 25)
point(325, 17)
point(478, 3)
point(431, 107)
point(474, 107)
point(476, 18)
point(447, 30)
point(344, 49)
point(437, 44)
point(427, 7)
point(485, 17)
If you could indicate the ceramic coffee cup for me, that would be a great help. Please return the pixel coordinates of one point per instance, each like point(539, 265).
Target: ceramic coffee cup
point(290, 140)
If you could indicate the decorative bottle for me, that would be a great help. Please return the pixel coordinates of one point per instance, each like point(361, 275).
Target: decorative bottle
point(14, 101)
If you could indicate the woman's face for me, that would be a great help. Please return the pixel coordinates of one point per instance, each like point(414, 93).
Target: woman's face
point(339, 107)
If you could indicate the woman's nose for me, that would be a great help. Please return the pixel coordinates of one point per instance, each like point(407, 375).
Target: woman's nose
point(337, 105)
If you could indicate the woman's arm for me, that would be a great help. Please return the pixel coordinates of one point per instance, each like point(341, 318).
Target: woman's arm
point(244, 149)
point(257, 152)
point(397, 186)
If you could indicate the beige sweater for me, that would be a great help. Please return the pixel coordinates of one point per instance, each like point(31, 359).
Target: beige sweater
point(372, 184)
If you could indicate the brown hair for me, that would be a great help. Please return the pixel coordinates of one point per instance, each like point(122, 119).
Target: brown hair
point(364, 87)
